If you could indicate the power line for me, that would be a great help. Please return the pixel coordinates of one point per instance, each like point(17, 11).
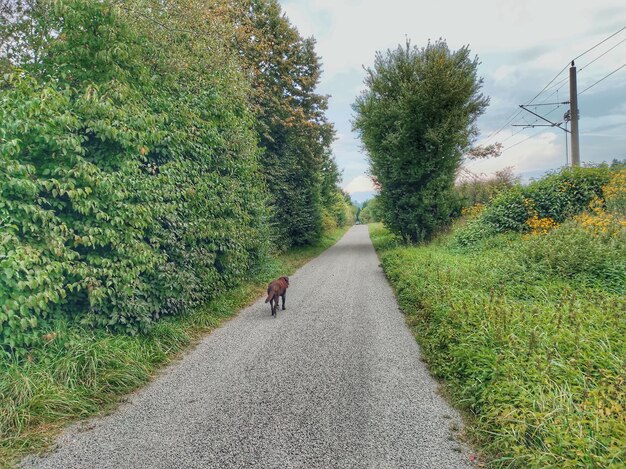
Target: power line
point(576, 58)
point(564, 80)
point(518, 132)
point(513, 117)
point(510, 119)
point(601, 42)
point(602, 55)
point(521, 141)
point(544, 88)
point(602, 79)
point(556, 85)
point(561, 83)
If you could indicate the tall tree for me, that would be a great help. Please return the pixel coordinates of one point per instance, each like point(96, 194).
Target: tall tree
point(293, 130)
point(416, 119)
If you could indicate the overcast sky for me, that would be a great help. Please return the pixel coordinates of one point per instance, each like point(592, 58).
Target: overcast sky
point(521, 44)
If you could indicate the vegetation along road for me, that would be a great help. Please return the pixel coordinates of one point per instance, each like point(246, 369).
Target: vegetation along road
point(334, 381)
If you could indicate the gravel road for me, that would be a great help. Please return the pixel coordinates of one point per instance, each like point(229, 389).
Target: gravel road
point(334, 381)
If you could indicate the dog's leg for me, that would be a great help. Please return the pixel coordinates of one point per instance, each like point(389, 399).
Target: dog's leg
point(284, 296)
point(273, 306)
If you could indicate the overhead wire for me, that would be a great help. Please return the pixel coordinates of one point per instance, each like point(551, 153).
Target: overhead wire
point(544, 88)
point(521, 141)
point(556, 87)
point(598, 44)
point(510, 119)
point(602, 79)
point(561, 83)
point(601, 55)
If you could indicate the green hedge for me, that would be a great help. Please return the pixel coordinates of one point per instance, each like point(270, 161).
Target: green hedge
point(129, 182)
point(557, 196)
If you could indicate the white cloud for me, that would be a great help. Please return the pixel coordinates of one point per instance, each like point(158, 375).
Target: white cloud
point(503, 72)
point(359, 184)
point(350, 31)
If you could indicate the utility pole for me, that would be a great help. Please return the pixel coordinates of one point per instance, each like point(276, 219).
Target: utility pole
point(573, 100)
point(566, 119)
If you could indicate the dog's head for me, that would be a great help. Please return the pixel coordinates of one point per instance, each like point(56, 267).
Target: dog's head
point(286, 279)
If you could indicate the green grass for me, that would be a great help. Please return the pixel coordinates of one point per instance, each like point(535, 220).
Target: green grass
point(529, 340)
point(82, 372)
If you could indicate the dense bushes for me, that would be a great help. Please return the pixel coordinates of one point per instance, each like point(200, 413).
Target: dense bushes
point(129, 167)
point(536, 358)
point(370, 211)
point(551, 199)
point(80, 370)
point(473, 189)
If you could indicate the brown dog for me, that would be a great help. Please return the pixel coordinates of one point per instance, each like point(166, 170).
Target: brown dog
point(275, 290)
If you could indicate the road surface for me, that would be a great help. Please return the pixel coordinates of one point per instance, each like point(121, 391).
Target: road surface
point(334, 381)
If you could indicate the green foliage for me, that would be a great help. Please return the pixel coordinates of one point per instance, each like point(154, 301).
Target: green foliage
point(416, 119)
point(571, 251)
point(556, 196)
point(64, 212)
point(371, 211)
point(337, 207)
point(529, 339)
point(474, 189)
point(130, 184)
point(294, 133)
point(131, 179)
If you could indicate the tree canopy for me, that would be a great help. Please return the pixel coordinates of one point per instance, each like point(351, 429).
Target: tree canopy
point(416, 119)
point(293, 130)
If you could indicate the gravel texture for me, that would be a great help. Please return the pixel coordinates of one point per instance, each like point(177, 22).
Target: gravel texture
point(335, 380)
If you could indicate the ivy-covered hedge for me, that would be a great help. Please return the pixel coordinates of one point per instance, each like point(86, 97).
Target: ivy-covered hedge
point(137, 144)
point(129, 182)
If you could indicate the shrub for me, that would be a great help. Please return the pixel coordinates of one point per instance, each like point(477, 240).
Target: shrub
point(572, 251)
point(73, 235)
point(474, 189)
point(555, 197)
point(529, 336)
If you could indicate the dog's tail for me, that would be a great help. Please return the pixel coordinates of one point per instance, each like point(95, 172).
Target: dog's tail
point(269, 297)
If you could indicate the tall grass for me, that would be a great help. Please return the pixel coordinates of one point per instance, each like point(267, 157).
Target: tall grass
point(529, 336)
point(80, 372)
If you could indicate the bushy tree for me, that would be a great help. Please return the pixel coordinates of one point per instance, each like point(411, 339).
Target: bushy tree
point(472, 189)
point(416, 119)
point(370, 211)
point(137, 143)
point(293, 130)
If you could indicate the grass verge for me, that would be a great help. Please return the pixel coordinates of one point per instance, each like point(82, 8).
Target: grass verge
point(529, 340)
point(81, 372)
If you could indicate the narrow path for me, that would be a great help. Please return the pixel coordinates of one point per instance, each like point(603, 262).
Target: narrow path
point(334, 381)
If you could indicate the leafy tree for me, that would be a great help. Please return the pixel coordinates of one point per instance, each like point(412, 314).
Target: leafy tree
point(293, 130)
point(130, 177)
point(473, 189)
point(370, 212)
point(416, 119)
